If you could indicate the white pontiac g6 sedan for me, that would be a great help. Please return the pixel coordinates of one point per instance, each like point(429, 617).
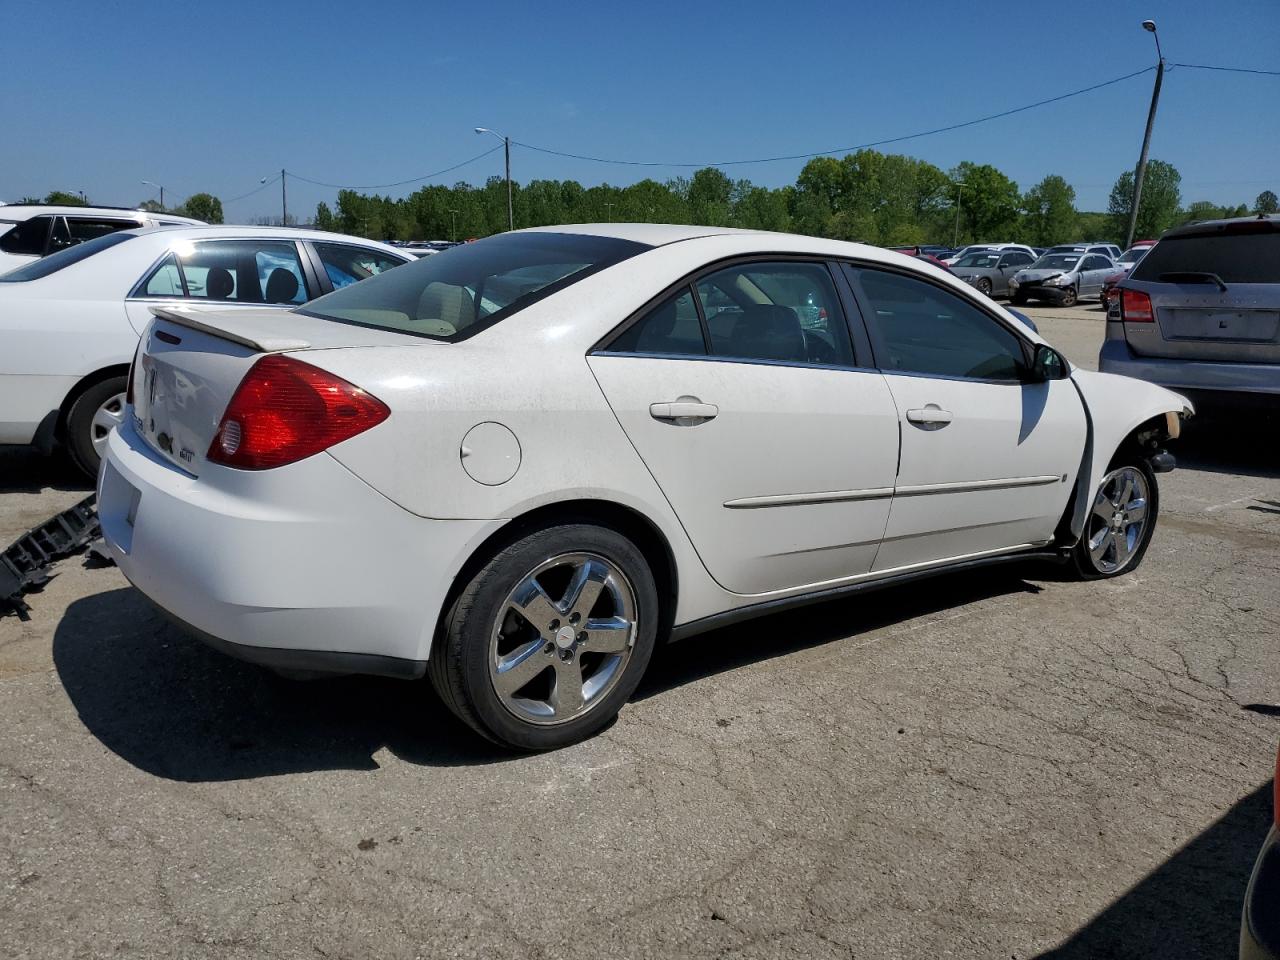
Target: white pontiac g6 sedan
point(517, 465)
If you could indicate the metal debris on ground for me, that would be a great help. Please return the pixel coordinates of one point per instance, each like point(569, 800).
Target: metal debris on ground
point(25, 565)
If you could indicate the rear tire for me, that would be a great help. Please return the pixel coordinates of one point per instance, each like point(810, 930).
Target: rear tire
point(548, 640)
point(1120, 521)
point(92, 416)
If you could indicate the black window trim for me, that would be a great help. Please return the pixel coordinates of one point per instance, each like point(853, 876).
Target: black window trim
point(859, 344)
point(1028, 346)
point(309, 283)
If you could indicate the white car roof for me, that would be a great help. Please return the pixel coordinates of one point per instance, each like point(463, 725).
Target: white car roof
point(20, 212)
point(653, 234)
point(166, 234)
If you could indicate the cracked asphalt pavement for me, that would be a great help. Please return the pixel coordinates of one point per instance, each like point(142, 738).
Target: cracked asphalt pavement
point(998, 764)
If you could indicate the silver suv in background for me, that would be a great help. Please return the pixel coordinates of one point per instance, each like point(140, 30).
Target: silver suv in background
point(29, 231)
point(1201, 312)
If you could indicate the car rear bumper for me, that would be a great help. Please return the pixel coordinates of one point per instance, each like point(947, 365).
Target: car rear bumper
point(1194, 375)
point(1260, 920)
point(302, 568)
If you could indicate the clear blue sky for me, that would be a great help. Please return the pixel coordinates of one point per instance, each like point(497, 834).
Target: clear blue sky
point(99, 95)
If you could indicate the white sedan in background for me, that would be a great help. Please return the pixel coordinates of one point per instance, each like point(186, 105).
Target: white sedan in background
point(518, 465)
point(70, 322)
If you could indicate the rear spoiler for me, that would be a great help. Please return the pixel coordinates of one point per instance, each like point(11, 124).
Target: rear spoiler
point(262, 344)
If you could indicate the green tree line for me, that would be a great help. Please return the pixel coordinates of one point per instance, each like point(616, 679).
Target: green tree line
point(881, 198)
point(885, 199)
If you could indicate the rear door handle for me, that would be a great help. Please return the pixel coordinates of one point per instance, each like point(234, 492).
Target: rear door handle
point(683, 409)
point(930, 416)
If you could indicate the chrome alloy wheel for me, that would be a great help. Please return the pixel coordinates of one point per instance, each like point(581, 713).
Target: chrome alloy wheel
point(552, 660)
point(105, 418)
point(1118, 521)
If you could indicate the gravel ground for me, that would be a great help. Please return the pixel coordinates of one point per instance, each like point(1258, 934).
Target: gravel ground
point(1003, 763)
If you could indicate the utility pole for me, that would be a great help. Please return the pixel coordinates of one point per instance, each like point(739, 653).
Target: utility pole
point(284, 204)
point(160, 186)
point(1139, 174)
point(955, 237)
point(506, 147)
point(511, 216)
point(453, 224)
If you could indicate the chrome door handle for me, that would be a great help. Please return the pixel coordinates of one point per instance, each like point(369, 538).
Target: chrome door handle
point(683, 409)
point(930, 416)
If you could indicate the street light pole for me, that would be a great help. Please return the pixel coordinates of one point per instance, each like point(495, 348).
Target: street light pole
point(453, 224)
point(955, 237)
point(284, 205)
point(1139, 174)
point(506, 148)
point(152, 183)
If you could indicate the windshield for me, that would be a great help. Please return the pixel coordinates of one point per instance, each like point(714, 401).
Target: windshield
point(459, 292)
point(1133, 255)
point(64, 258)
point(978, 260)
point(1056, 261)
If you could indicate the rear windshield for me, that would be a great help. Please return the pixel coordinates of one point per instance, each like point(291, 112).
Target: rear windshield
point(64, 258)
point(978, 260)
point(1234, 257)
point(459, 292)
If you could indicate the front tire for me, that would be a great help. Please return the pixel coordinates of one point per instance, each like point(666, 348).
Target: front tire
point(549, 639)
point(1018, 299)
point(1120, 522)
point(1068, 297)
point(984, 286)
point(91, 418)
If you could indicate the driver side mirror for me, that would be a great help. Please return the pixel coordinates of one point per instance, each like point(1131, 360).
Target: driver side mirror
point(1048, 364)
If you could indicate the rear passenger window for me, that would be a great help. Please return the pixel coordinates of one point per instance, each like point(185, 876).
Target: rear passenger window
point(783, 312)
point(243, 271)
point(28, 237)
point(669, 329)
point(919, 328)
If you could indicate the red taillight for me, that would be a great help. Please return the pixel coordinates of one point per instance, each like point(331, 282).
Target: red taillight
point(285, 410)
point(1135, 307)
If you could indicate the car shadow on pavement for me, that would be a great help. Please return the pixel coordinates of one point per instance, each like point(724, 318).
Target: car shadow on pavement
point(1220, 443)
point(783, 633)
point(1189, 906)
point(25, 470)
point(177, 709)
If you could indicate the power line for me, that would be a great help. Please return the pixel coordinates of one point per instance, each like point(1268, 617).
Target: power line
point(861, 146)
point(257, 189)
point(1203, 66)
point(398, 183)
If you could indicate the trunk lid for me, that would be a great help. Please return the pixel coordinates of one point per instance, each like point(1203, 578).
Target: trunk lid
point(190, 362)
